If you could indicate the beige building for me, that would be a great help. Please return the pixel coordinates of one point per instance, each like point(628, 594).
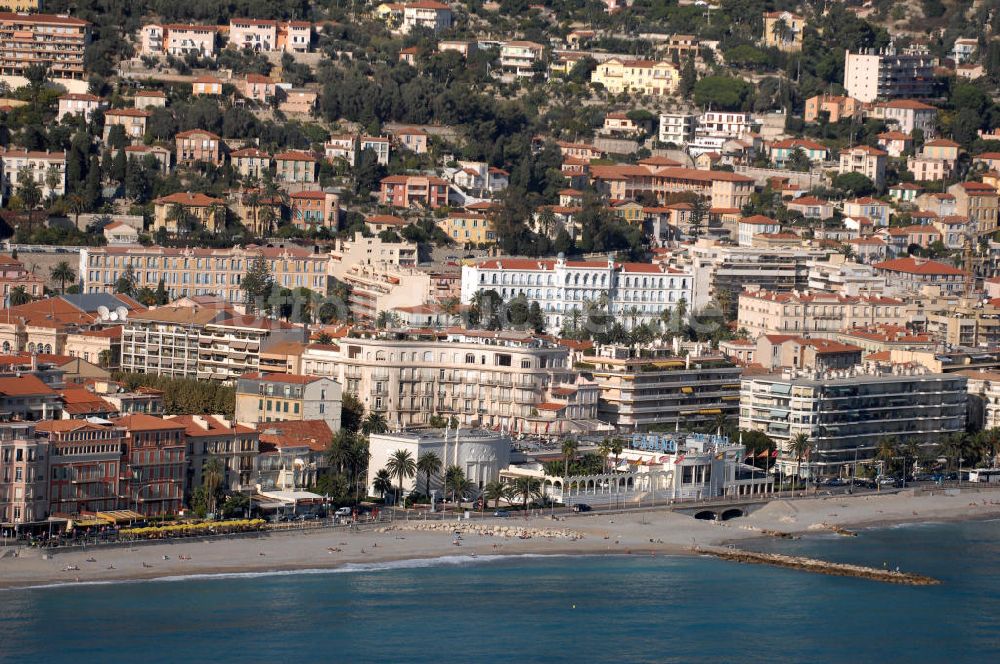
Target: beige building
point(509, 380)
point(970, 323)
point(978, 202)
point(193, 272)
point(296, 166)
point(784, 31)
point(281, 397)
point(779, 351)
point(213, 437)
point(251, 162)
point(837, 108)
point(866, 160)
point(58, 42)
point(181, 212)
point(644, 77)
point(24, 474)
point(815, 314)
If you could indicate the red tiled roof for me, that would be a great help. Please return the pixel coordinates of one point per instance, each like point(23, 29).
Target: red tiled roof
point(24, 385)
point(314, 434)
point(915, 266)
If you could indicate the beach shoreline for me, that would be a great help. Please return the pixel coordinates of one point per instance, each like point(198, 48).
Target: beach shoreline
point(421, 543)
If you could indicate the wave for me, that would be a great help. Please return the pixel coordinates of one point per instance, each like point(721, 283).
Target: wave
point(346, 568)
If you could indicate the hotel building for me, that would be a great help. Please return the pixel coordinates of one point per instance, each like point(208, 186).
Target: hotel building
point(279, 397)
point(815, 314)
point(24, 472)
point(58, 42)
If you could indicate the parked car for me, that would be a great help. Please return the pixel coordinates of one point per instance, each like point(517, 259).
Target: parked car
point(581, 507)
point(343, 511)
point(502, 514)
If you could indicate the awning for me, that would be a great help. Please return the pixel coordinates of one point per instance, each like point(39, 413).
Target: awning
point(781, 388)
point(710, 411)
point(88, 522)
point(119, 516)
point(687, 390)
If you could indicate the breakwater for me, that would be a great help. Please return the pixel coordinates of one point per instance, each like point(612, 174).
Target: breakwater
point(820, 566)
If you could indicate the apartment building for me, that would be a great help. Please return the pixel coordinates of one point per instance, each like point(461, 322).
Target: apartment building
point(655, 387)
point(85, 465)
point(907, 115)
point(479, 178)
point(815, 314)
point(161, 155)
point(836, 108)
point(643, 77)
point(258, 88)
point(724, 190)
point(296, 167)
point(40, 166)
point(717, 128)
point(79, 104)
point(199, 342)
point(967, 322)
point(206, 85)
point(838, 275)
point(781, 151)
point(871, 75)
point(149, 98)
point(131, 120)
point(677, 127)
point(722, 272)
point(312, 210)
point(13, 275)
point(866, 160)
point(270, 36)
point(910, 275)
point(181, 212)
point(507, 380)
point(380, 145)
point(784, 31)
point(519, 57)
point(154, 465)
point(984, 399)
point(24, 472)
point(468, 228)
point(789, 351)
point(58, 42)
point(214, 438)
point(198, 145)
point(979, 203)
point(429, 14)
point(342, 146)
point(747, 228)
point(632, 293)
point(278, 397)
point(846, 414)
point(251, 163)
point(178, 39)
point(811, 207)
point(414, 191)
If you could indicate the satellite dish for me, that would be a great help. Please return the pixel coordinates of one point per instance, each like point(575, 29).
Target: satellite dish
point(113, 315)
point(103, 312)
point(122, 313)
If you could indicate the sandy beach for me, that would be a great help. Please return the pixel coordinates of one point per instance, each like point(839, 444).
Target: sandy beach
point(647, 532)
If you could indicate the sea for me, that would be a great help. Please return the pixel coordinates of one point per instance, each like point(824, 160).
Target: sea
point(542, 609)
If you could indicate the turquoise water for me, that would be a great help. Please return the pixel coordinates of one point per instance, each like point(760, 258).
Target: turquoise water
point(551, 609)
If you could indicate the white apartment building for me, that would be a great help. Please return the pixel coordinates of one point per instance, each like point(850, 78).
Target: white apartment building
point(677, 127)
point(838, 275)
point(714, 128)
point(199, 342)
point(883, 75)
point(429, 14)
point(519, 57)
point(40, 166)
point(512, 381)
point(847, 413)
point(634, 293)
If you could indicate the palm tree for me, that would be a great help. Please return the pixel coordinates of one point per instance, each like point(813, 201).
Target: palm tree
point(375, 423)
point(212, 476)
point(528, 488)
point(605, 449)
point(429, 464)
point(18, 295)
point(401, 466)
point(569, 448)
point(779, 30)
point(799, 447)
point(382, 483)
point(888, 450)
point(495, 491)
point(455, 481)
point(62, 273)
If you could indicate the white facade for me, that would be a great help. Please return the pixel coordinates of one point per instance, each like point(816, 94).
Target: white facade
point(677, 128)
point(428, 14)
point(870, 76)
point(14, 164)
point(715, 128)
point(634, 293)
point(480, 454)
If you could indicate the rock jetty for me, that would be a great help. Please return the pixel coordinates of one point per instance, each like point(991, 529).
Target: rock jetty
point(485, 529)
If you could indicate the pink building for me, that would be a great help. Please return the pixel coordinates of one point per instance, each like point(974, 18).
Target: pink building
point(412, 139)
point(14, 275)
point(198, 145)
point(312, 210)
point(24, 472)
point(414, 190)
point(132, 120)
point(260, 89)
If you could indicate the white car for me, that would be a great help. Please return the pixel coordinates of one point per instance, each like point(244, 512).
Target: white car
point(343, 511)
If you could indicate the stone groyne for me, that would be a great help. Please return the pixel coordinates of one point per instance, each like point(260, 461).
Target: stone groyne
point(488, 530)
point(821, 566)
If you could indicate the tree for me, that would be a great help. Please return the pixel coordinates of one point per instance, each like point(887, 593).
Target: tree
point(569, 448)
point(53, 180)
point(722, 92)
point(17, 296)
point(213, 475)
point(382, 484)
point(495, 491)
point(127, 282)
point(352, 412)
point(429, 464)
point(374, 423)
point(401, 466)
point(62, 273)
point(799, 448)
point(888, 450)
point(161, 292)
point(257, 284)
point(798, 161)
point(456, 483)
point(689, 76)
point(28, 189)
point(854, 184)
point(528, 488)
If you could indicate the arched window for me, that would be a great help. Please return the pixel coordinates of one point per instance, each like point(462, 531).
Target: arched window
point(6, 346)
point(48, 348)
point(31, 347)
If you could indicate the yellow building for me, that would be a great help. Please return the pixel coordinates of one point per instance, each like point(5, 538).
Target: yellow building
point(783, 30)
point(182, 211)
point(649, 77)
point(468, 228)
